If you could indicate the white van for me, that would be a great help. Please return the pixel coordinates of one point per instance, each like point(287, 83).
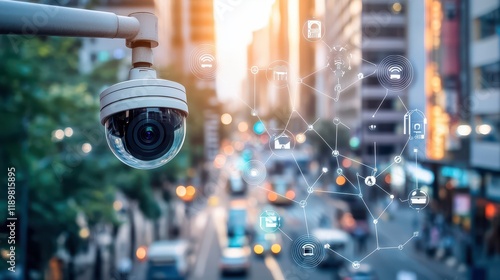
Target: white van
point(339, 241)
point(168, 259)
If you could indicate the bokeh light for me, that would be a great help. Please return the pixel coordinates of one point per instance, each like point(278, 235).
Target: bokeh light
point(226, 119)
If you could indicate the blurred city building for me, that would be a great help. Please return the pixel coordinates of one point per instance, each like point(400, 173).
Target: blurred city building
point(462, 106)
point(282, 40)
point(384, 33)
point(189, 24)
point(97, 51)
point(343, 28)
point(484, 102)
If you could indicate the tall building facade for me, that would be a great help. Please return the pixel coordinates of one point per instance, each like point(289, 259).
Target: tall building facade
point(342, 20)
point(282, 41)
point(484, 76)
point(384, 33)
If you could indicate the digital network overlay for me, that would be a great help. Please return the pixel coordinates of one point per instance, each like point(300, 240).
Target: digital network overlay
point(394, 73)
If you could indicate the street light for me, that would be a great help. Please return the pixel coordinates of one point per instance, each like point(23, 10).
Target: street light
point(144, 117)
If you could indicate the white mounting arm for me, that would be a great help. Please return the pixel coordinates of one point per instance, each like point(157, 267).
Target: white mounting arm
point(139, 29)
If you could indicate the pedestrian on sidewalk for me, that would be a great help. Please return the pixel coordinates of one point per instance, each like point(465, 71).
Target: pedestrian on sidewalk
point(493, 237)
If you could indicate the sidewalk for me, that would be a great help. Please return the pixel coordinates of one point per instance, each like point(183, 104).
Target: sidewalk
point(402, 222)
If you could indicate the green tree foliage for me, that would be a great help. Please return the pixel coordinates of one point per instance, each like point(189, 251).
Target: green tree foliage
point(41, 91)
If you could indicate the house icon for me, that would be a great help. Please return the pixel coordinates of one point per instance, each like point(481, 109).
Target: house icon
point(308, 250)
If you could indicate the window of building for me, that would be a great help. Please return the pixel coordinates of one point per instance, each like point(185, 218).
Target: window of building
point(373, 104)
point(488, 76)
point(382, 150)
point(489, 24)
point(450, 10)
point(396, 7)
point(377, 31)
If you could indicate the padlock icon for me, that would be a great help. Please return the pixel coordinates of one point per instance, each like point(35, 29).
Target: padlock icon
point(314, 29)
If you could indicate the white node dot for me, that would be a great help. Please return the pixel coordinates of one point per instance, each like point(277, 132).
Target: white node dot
point(392, 196)
point(324, 169)
point(355, 265)
point(400, 247)
point(375, 221)
point(254, 113)
point(303, 203)
point(310, 127)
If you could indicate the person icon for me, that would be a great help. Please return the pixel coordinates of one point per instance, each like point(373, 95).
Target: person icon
point(370, 181)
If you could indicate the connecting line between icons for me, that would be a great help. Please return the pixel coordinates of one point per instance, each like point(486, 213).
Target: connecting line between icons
point(341, 193)
point(351, 183)
point(381, 172)
point(400, 247)
point(403, 103)
point(320, 175)
point(268, 158)
point(382, 189)
point(383, 99)
point(326, 44)
point(254, 93)
point(350, 85)
point(265, 127)
point(318, 91)
point(278, 194)
point(285, 234)
point(392, 200)
point(357, 162)
point(416, 166)
point(319, 135)
point(305, 218)
point(367, 208)
point(406, 144)
point(340, 255)
point(371, 64)
point(288, 121)
point(291, 98)
point(300, 169)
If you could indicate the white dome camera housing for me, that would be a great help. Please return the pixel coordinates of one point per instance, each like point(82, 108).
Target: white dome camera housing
point(144, 119)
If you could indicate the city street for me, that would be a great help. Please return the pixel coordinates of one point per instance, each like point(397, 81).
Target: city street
point(208, 230)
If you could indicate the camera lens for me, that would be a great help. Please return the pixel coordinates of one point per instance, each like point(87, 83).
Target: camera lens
point(147, 136)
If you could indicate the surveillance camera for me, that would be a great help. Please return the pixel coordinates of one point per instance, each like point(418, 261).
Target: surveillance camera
point(144, 119)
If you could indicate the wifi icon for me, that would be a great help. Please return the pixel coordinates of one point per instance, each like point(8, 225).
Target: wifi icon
point(395, 72)
point(207, 60)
